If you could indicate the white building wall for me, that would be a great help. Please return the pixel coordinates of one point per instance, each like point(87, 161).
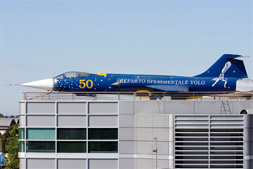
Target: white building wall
point(139, 124)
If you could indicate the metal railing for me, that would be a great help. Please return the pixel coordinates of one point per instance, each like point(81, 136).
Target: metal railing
point(129, 96)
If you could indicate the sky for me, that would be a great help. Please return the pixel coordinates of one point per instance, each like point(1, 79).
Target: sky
point(41, 39)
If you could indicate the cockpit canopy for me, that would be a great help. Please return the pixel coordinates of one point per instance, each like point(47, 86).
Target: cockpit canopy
point(72, 74)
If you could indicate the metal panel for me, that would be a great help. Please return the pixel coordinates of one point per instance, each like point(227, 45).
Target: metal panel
point(207, 107)
point(103, 121)
point(103, 164)
point(161, 120)
point(148, 107)
point(40, 121)
point(126, 107)
point(22, 121)
point(22, 108)
point(126, 121)
point(71, 108)
point(126, 147)
point(237, 106)
point(162, 134)
point(40, 163)
point(248, 164)
point(147, 147)
point(179, 107)
point(40, 107)
point(248, 121)
point(71, 163)
point(145, 163)
point(143, 120)
point(248, 148)
point(103, 108)
point(22, 163)
point(163, 164)
point(126, 163)
point(248, 134)
point(144, 134)
point(126, 133)
point(71, 121)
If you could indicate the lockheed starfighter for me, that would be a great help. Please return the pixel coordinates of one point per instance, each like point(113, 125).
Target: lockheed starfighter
point(226, 75)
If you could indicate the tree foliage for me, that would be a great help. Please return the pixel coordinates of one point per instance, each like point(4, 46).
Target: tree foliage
point(1, 115)
point(12, 147)
point(0, 142)
point(5, 136)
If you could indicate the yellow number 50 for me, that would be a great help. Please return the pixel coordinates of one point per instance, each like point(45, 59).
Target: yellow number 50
point(88, 84)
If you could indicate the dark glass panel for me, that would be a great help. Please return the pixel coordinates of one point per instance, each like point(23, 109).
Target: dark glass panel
point(192, 166)
point(103, 134)
point(103, 147)
point(71, 134)
point(40, 134)
point(71, 147)
point(21, 146)
point(226, 130)
point(40, 146)
point(21, 133)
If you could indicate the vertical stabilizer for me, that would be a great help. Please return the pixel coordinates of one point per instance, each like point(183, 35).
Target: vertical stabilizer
point(226, 66)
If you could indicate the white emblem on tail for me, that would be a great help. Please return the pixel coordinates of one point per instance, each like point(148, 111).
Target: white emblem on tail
point(221, 77)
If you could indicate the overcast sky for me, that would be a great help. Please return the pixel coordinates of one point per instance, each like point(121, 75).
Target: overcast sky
point(41, 39)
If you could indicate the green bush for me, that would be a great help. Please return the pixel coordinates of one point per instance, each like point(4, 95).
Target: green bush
point(0, 144)
point(12, 148)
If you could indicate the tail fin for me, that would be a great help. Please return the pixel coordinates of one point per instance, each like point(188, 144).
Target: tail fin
point(227, 66)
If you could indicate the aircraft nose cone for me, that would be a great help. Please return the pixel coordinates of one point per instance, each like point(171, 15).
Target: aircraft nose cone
point(46, 84)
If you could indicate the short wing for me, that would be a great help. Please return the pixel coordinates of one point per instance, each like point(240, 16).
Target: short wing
point(169, 88)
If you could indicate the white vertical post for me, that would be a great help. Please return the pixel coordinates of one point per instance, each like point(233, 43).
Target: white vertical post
point(155, 152)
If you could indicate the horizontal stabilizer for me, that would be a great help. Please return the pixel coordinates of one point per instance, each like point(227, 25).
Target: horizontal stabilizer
point(169, 88)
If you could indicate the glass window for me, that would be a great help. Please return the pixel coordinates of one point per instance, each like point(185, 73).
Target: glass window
point(42, 134)
point(103, 147)
point(40, 146)
point(70, 74)
point(71, 134)
point(103, 134)
point(83, 74)
point(21, 133)
point(21, 146)
point(71, 147)
point(60, 76)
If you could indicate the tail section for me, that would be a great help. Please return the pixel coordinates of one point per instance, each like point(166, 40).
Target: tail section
point(226, 66)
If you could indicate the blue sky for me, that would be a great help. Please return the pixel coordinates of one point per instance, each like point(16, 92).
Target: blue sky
point(41, 39)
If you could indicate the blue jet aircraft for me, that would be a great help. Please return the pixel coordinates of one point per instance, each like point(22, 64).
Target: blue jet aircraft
point(226, 75)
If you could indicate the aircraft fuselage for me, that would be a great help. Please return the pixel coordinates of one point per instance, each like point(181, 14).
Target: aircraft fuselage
point(128, 82)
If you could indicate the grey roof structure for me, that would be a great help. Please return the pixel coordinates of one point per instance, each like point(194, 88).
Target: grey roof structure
point(6, 122)
point(16, 120)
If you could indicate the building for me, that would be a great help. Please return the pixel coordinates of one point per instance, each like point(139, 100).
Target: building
point(144, 134)
point(5, 123)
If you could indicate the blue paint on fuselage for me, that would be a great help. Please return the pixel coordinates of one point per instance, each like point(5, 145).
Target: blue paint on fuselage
point(221, 76)
point(134, 82)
